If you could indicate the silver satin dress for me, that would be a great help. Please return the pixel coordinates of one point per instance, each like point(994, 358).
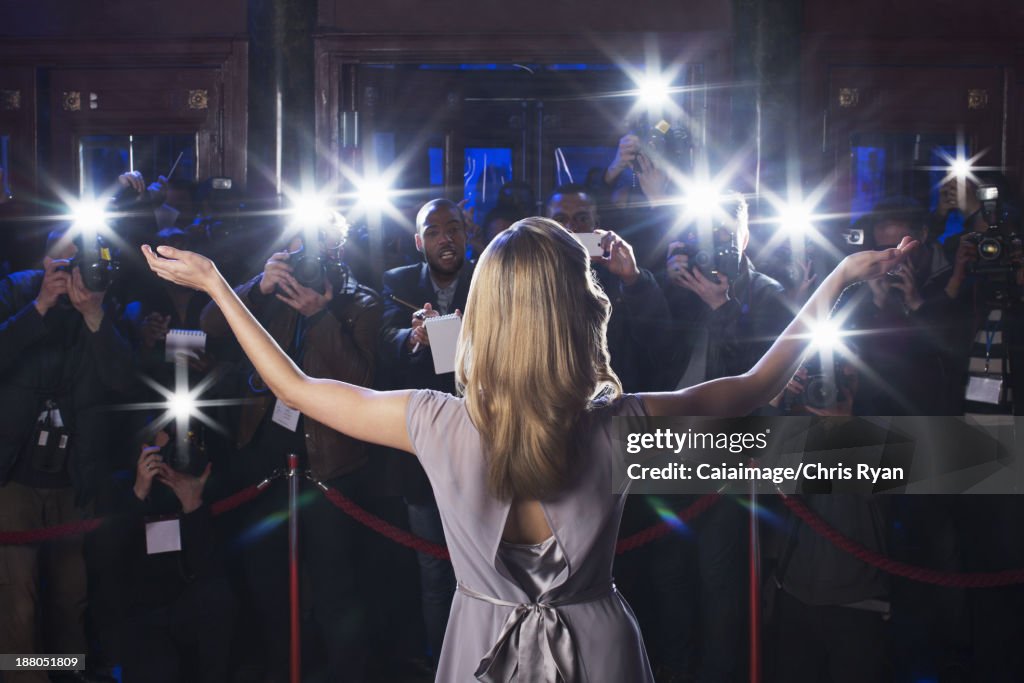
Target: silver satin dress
point(548, 613)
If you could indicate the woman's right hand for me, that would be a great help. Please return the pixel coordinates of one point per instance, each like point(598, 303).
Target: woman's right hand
point(868, 265)
point(146, 469)
point(181, 267)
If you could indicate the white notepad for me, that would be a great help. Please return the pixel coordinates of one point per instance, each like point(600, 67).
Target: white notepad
point(443, 332)
point(186, 342)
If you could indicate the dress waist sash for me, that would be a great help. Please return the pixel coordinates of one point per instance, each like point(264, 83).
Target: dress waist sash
point(535, 644)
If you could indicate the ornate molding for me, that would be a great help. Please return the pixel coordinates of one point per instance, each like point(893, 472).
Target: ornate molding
point(849, 97)
point(71, 100)
point(10, 100)
point(977, 98)
point(198, 99)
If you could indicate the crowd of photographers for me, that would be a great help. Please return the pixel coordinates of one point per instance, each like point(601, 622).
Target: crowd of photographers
point(168, 592)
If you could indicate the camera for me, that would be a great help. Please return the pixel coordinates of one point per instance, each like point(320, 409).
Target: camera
point(716, 253)
point(853, 237)
point(308, 268)
point(663, 142)
point(824, 386)
point(996, 248)
point(186, 454)
point(995, 245)
point(95, 261)
point(313, 269)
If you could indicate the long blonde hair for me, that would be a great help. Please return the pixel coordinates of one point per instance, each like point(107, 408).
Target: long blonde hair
point(533, 355)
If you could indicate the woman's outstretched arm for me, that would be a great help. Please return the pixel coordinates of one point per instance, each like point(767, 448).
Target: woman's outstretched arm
point(368, 415)
point(740, 395)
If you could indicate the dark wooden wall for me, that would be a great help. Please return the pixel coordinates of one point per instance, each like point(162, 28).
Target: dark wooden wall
point(73, 69)
point(915, 67)
point(524, 17)
point(910, 62)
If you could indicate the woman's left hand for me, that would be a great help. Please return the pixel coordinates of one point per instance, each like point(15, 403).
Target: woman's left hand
point(182, 267)
point(867, 265)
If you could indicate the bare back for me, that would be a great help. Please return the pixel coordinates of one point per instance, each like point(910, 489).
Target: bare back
point(526, 523)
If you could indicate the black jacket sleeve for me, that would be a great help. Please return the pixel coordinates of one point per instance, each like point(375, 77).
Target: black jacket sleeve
point(20, 322)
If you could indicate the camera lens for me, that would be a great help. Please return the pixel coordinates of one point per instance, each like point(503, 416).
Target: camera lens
point(820, 392)
point(990, 249)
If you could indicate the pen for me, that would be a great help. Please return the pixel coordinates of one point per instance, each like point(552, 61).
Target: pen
point(420, 316)
point(403, 302)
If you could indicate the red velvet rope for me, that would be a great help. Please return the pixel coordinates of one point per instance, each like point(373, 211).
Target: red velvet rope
point(52, 533)
point(386, 529)
point(1007, 577)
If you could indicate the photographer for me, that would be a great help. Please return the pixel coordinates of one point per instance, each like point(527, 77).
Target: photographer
point(171, 609)
point(328, 323)
point(987, 291)
point(635, 191)
point(726, 312)
point(907, 314)
point(60, 356)
point(637, 338)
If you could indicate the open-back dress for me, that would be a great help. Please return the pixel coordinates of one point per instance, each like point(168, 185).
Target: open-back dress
point(545, 613)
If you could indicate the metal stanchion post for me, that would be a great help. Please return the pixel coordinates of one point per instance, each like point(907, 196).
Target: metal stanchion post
point(293, 566)
point(755, 588)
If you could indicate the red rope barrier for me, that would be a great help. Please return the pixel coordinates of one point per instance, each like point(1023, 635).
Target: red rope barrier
point(934, 577)
point(50, 533)
point(386, 529)
point(236, 499)
point(59, 531)
point(1006, 577)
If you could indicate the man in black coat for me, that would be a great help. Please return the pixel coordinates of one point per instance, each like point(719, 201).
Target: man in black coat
point(60, 355)
point(638, 325)
point(438, 286)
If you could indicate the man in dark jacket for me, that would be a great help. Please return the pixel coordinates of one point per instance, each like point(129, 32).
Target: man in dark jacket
point(60, 355)
point(725, 321)
point(438, 286)
point(638, 324)
point(328, 323)
point(908, 315)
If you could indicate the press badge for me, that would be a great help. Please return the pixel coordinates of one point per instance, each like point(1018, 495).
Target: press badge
point(985, 389)
point(285, 416)
point(163, 537)
point(51, 441)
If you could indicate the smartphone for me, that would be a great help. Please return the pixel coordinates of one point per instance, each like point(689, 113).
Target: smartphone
point(590, 240)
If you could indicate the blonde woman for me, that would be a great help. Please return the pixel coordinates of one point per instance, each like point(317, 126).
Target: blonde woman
point(521, 465)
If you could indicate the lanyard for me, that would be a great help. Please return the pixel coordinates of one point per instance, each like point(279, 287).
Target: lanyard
point(990, 335)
